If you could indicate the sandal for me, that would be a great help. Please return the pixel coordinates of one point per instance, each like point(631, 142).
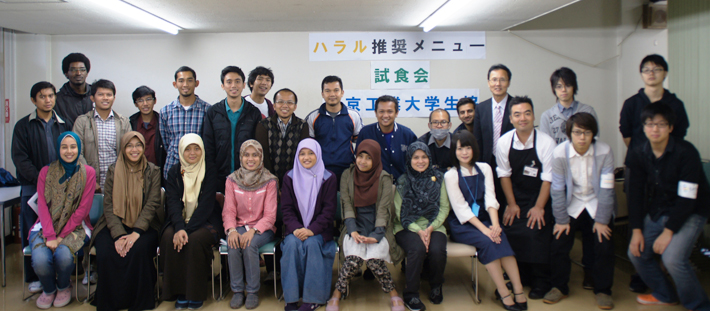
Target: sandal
point(399, 307)
point(523, 305)
point(330, 307)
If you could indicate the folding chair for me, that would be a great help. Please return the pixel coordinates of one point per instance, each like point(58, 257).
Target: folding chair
point(454, 249)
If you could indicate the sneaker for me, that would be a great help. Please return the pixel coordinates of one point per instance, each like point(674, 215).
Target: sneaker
point(94, 277)
point(553, 296)
point(237, 301)
point(45, 300)
point(252, 301)
point(648, 299)
point(436, 296)
point(181, 303)
point(194, 305)
point(604, 301)
point(35, 287)
point(309, 306)
point(63, 297)
point(414, 304)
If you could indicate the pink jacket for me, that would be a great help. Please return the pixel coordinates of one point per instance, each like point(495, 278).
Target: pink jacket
point(256, 209)
point(81, 213)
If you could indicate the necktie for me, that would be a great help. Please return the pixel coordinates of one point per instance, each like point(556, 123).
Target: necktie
point(497, 124)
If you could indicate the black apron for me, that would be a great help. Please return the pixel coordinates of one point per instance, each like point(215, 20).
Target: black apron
point(529, 245)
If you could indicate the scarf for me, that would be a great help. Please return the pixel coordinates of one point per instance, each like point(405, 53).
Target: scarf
point(192, 174)
point(251, 180)
point(128, 182)
point(69, 168)
point(307, 182)
point(420, 191)
point(367, 183)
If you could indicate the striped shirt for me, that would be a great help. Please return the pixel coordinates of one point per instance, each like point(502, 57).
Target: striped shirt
point(106, 129)
point(176, 121)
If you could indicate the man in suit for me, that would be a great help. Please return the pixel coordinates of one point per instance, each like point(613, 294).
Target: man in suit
point(491, 122)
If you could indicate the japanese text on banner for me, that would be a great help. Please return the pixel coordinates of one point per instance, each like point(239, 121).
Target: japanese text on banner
point(399, 75)
point(412, 103)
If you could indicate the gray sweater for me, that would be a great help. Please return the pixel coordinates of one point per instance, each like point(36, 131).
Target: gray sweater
point(602, 180)
point(553, 122)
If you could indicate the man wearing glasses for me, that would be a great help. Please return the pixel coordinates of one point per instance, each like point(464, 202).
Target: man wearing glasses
point(439, 139)
point(564, 86)
point(146, 122)
point(74, 98)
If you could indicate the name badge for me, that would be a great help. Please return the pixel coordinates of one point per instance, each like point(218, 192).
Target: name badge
point(530, 171)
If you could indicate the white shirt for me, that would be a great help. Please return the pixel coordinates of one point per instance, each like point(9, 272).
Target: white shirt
point(458, 203)
point(494, 107)
point(263, 107)
point(583, 196)
point(544, 148)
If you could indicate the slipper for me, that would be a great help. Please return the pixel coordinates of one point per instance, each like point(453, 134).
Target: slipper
point(401, 304)
point(329, 307)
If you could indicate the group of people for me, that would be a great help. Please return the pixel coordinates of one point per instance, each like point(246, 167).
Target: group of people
point(516, 193)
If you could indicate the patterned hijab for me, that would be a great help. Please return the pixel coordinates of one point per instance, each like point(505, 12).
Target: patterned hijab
point(367, 183)
point(192, 174)
point(307, 181)
point(420, 191)
point(128, 182)
point(251, 180)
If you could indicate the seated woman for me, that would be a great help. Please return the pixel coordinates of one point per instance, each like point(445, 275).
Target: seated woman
point(421, 206)
point(472, 195)
point(65, 190)
point(125, 250)
point(193, 226)
point(367, 194)
point(308, 202)
point(249, 214)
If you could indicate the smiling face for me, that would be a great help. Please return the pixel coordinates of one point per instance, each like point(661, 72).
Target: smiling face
point(134, 149)
point(44, 100)
point(251, 159)
point(262, 85)
point(363, 162)
point(233, 85)
point(307, 158)
point(464, 154)
point(522, 117)
point(332, 93)
point(657, 129)
point(285, 104)
point(420, 161)
point(498, 82)
point(192, 154)
point(466, 113)
point(68, 149)
point(386, 113)
point(186, 83)
point(77, 73)
point(103, 99)
point(145, 104)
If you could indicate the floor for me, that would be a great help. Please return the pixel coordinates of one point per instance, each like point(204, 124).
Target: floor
point(367, 296)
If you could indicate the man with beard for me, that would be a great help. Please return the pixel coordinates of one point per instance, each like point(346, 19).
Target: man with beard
point(466, 109)
point(74, 98)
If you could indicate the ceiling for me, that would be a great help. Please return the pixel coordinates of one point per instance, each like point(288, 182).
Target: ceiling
point(66, 17)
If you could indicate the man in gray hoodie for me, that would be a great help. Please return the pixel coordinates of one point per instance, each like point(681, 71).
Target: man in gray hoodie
point(564, 86)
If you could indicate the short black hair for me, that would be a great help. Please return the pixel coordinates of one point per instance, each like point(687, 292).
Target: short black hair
point(465, 101)
point(656, 59)
point(517, 100)
point(39, 86)
point(286, 90)
point(183, 69)
point(229, 69)
point(448, 115)
point(259, 71)
point(658, 108)
point(142, 91)
point(331, 79)
point(467, 140)
point(500, 67)
point(567, 75)
point(386, 99)
point(73, 58)
point(104, 84)
point(583, 120)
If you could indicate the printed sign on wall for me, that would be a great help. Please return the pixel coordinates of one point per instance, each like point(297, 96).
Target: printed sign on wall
point(412, 103)
point(399, 75)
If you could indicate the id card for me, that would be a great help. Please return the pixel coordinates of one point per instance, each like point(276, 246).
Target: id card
point(475, 208)
point(530, 171)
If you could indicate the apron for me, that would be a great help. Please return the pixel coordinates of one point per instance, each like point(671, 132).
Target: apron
point(474, 186)
point(530, 245)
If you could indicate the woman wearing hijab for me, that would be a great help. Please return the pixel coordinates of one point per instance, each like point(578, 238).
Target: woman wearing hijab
point(65, 190)
point(308, 202)
point(421, 207)
point(367, 194)
point(249, 215)
point(193, 226)
point(472, 194)
point(126, 249)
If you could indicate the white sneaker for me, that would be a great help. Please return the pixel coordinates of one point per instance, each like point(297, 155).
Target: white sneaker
point(35, 287)
point(94, 278)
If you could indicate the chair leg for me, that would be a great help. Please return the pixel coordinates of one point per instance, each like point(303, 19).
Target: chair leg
point(88, 273)
point(474, 278)
point(76, 279)
point(24, 283)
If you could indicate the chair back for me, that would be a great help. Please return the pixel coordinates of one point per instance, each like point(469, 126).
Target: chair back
point(97, 208)
point(160, 211)
point(220, 199)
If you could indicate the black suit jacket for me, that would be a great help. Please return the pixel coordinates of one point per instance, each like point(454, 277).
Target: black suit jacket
point(483, 128)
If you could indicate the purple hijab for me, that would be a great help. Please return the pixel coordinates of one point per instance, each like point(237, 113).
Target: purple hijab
point(307, 182)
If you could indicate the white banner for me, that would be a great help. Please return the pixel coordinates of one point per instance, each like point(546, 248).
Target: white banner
point(412, 103)
point(339, 46)
point(399, 75)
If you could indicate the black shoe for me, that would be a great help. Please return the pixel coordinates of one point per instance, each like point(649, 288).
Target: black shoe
point(368, 275)
point(537, 293)
point(414, 304)
point(513, 307)
point(637, 285)
point(181, 304)
point(521, 305)
point(505, 276)
point(588, 282)
point(195, 305)
point(508, 285)
point(436, 296)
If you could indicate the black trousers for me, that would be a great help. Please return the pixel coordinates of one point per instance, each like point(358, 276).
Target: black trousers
point(603, 268)
point(416, 253)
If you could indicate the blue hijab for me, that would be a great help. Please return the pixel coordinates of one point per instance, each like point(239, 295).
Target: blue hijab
point(69, 168)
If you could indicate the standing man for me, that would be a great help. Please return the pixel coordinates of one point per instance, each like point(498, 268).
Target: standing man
point(564, 86)
point(524, 159)
point(671, 209)
point(227, 125)
point(466, 109)
point(438, 139)
point(393, 138)
point(33, 147)
point(101, 129)
point(335, 127)
point(73, 98)
point(260, 81)
point(147, 122)
point(182, 116)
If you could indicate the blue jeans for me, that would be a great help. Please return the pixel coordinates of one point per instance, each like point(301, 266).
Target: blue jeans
point(53, 269)
point(307, 269)
point(246, 262)
point(676, 258)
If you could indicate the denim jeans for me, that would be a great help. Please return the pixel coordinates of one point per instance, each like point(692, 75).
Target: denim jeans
point(307, 269)
point(52, 268)
point(676, 259)
point(28, 217)
point(246, 262)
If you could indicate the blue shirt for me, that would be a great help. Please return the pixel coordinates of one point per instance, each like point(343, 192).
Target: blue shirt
point(175, 122)
point(393, 153)
point(567, 112)
point(233, 118)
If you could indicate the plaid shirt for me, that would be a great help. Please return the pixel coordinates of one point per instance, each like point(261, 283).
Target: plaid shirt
point(175, 122)
point(284, 126)
point(107, 144)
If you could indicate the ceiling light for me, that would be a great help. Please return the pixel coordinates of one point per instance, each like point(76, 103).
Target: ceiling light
point(138, 14)
point(442, 13)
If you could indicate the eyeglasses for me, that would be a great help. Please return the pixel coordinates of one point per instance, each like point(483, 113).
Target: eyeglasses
point(562, 86)
point(282, 102)
point(146, 100)
point(75, 70)
point(439, 123)
point(501, 80)
point(660, 125)
point(656, 70)
point(579, 133)
point(136, 146)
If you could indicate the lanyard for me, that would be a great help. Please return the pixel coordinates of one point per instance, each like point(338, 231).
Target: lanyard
point(474, 207)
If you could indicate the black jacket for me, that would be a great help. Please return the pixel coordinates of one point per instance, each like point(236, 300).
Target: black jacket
point(29, 146)
point(160, 154)
point(218, 140)
point(208, 212)
point(483, 128)
point(71, 105)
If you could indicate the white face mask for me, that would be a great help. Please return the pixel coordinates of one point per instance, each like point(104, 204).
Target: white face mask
point(439, 134)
